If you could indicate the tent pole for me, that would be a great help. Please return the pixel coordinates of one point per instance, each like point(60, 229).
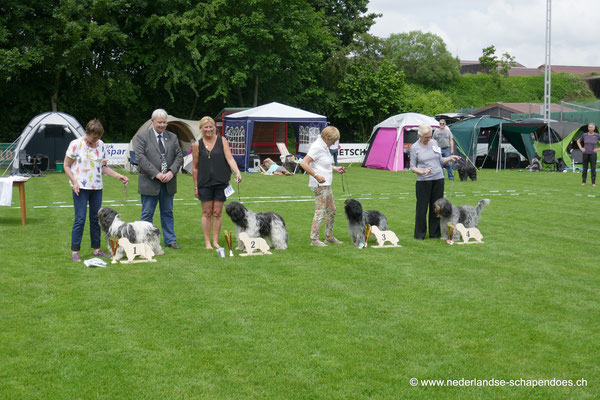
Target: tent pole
point(499, 152)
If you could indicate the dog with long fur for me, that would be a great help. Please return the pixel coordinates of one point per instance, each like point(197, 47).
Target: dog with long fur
point(267, 225)
point(358, 218)
point(466, 170)
point(451, 214)
point(136, 232)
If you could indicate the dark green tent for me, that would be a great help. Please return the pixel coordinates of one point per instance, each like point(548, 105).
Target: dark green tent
point(519, 135)
point(466, 133)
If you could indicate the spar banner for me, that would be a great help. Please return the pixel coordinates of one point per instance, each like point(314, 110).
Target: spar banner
point(116, 153)
point(351, 152)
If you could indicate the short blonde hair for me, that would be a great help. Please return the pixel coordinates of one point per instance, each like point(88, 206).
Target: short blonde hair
point(206, 120)
point(424, 129)
point(330, 133)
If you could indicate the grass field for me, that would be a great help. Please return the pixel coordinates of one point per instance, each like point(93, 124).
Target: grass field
point(309, 323)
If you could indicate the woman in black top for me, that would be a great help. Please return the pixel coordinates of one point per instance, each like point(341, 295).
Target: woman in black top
point(212, 166)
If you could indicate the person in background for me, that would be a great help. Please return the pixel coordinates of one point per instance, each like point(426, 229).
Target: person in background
point(427, 162)
point(159, 159)
point(212, 164)
point(85, 162)
point(317, 164)
point(272, 168)
point(334, 150)
point(443, 136)
point(587, 144)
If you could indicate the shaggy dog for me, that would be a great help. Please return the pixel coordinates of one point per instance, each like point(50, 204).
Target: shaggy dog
point(466, 170)
point(450, 214)
point(267, 225)
point(357, 219)
point(135, 232)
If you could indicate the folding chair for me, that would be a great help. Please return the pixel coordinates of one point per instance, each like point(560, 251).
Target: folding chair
point(25, 164)
point(286, 157)
point(576, 157)
point(548, 160)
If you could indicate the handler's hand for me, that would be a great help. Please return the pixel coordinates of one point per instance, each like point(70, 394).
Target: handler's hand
point(164, 178)
point(320, 179)
point(340, 170)
point(76, 188)
point(238, 177)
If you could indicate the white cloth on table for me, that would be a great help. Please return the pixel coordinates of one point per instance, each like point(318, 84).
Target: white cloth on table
point(6, 186)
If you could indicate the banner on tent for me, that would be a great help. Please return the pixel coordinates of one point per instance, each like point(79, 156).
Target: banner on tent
point(352, 152)
point(6, 154)
point(117, 153)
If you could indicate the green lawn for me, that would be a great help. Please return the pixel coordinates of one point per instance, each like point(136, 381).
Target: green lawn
point(308, 323)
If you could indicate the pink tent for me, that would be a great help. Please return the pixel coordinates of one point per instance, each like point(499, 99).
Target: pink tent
point(389, 140)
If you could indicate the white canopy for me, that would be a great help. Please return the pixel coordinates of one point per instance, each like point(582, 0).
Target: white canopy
point(406, 119)
point(277, 111)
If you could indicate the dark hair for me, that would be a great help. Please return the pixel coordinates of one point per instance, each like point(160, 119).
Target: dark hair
point(94, 127)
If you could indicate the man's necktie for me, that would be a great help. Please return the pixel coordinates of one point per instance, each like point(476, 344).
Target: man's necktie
point(161, 146)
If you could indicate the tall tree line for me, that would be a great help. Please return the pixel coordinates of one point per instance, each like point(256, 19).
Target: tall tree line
point(117, 60)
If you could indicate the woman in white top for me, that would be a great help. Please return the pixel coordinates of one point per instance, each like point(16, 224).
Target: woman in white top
point(85, 162)
point(317, 164)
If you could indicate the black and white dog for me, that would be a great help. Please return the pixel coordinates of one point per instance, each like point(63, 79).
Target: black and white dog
point(136, 232)
point(357, 219)
point(450, 214)
point(267, 225)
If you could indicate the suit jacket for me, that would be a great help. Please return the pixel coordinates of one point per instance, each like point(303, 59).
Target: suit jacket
point(149, 160)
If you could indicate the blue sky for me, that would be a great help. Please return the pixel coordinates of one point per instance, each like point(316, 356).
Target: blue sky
point(514, 26)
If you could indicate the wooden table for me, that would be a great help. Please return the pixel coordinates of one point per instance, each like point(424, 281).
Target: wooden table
point(20, 183)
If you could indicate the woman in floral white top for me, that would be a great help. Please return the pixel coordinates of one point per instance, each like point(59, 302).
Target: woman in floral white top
point(85, 161)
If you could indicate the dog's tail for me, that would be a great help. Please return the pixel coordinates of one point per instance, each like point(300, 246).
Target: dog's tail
point(480, 205)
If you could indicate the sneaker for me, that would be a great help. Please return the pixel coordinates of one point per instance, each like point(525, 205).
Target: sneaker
point(317, 243)
point(333, 241)
point(75, 257)
point(100, 253)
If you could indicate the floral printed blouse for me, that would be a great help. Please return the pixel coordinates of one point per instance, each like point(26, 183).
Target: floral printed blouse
point(87, 167)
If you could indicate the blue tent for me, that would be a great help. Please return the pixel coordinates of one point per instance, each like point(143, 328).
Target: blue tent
point(259, 130)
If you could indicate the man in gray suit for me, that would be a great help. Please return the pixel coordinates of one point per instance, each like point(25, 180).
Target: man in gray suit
point(159, 159)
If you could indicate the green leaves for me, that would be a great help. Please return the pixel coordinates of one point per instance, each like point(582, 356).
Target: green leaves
point(369, 95)
point(423, 57)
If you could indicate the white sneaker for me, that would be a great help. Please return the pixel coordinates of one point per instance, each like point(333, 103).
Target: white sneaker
point(317, 243)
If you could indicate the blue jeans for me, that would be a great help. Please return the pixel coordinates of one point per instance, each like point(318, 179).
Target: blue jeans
point(167, 222)
point(447, 153)
point(80, 203)
point(334, 154)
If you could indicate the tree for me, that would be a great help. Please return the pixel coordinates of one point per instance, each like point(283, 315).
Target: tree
point(62, 55)
point(273, 46)
point(428, 102)
point(488, 60)
point(492, 65)
point(345, 18)
point(422, 57)
point(370, 94)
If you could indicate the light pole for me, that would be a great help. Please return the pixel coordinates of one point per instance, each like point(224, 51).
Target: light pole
point(547, 66)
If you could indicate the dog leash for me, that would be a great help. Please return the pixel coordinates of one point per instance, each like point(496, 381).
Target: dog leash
point(124, 194)
point(239, 194)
